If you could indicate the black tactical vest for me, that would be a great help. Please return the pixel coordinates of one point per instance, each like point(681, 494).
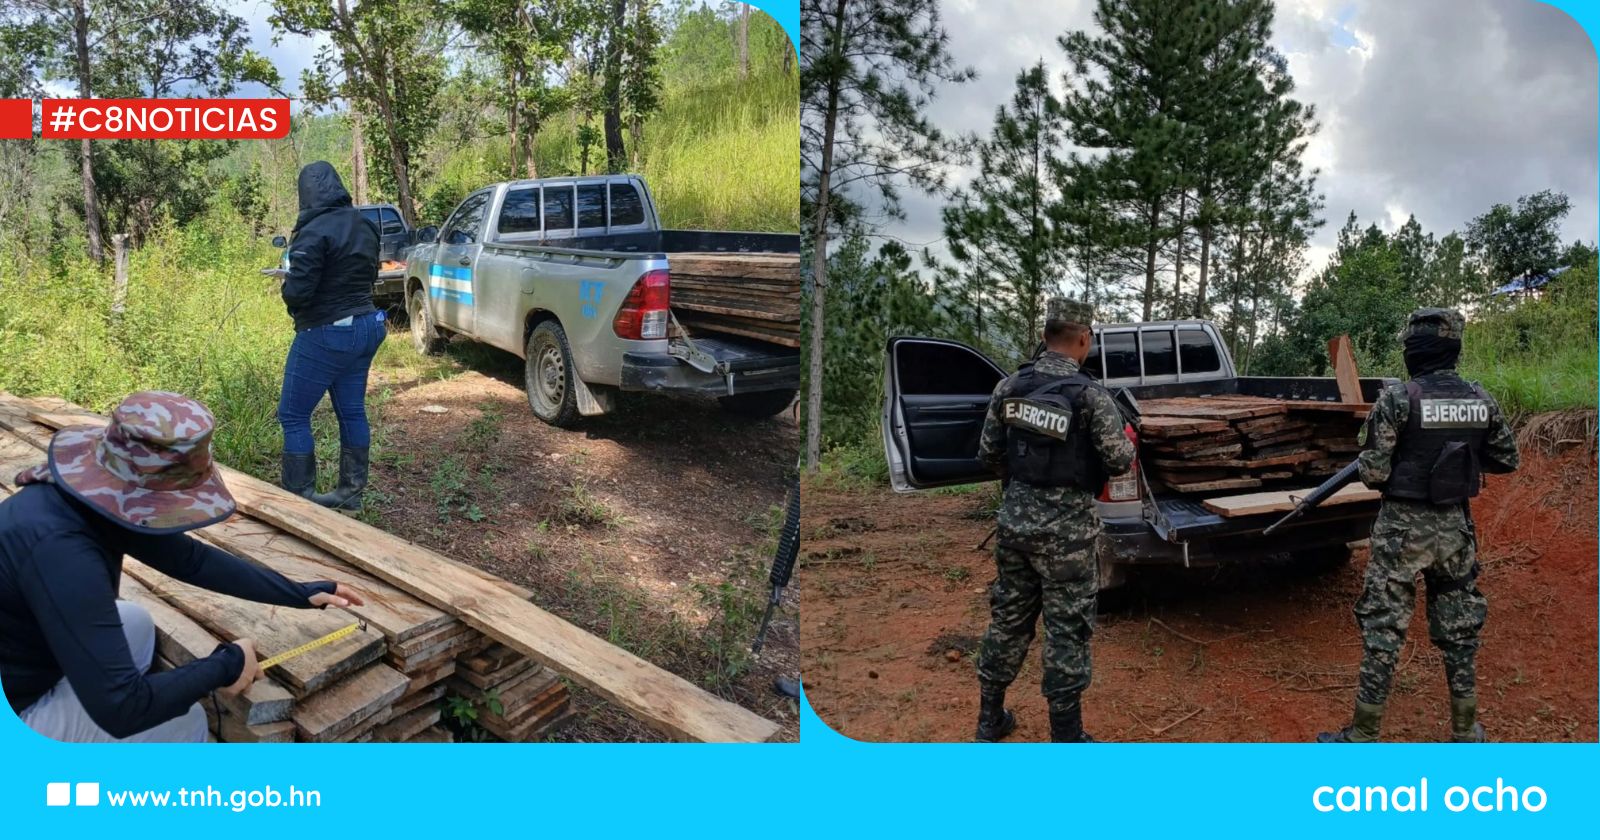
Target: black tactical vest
point(1437, 454)
point(1047, 443)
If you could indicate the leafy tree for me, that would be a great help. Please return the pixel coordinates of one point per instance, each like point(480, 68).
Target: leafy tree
point(1515, 242)
point(528, 39)
point(383, 54)
point(868, 70)
point(1005, 229)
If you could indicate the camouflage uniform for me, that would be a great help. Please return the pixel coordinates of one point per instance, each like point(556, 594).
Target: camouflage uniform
point(1412, 537)
point(1045, 551)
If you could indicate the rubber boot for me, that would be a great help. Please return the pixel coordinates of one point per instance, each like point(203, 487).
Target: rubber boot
point(1464, 725)
point(1363, 728)
point(352, 480)
point(1066, 723)
point(299, 475)
point(995, 721)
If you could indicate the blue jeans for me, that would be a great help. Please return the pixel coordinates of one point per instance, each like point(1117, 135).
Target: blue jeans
point(333, 360)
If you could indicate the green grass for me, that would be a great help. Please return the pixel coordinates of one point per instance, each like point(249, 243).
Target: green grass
point(1538, 355)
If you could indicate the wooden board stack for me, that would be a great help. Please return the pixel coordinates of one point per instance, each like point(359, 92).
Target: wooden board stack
point(1233, 442)
point(384, 683)
point(751, 295)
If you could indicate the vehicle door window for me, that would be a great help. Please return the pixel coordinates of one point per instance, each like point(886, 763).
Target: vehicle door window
point(391, 222)
point(940, 369)
point(370, 214)
point(558, 209)
point(519, 213)
point(1121, 355)
point(592, 206)
point(1159, 358)
point(462, 229)
point(1197, 353)
point(627, 206)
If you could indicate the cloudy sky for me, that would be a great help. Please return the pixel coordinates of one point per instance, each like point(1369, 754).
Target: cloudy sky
point(1437, 108)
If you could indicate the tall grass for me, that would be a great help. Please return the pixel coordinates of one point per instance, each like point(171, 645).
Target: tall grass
point(1539, 355)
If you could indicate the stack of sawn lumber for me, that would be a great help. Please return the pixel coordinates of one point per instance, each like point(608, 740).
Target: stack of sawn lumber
point(1235, 442)
point(747, 294)
point(385, 683)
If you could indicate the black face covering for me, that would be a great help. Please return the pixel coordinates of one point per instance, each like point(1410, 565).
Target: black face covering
point(1428, 353)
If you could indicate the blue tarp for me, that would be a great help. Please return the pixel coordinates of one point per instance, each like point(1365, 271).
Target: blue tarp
point(1529, 282)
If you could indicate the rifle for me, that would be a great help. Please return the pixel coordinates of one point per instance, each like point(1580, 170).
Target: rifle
point(783, 559)
point(1317, 496)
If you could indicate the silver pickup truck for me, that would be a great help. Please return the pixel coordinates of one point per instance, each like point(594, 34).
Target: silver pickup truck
point(936, 393)
point(574, 275)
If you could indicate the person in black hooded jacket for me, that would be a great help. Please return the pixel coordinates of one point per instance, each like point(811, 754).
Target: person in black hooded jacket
point(333, 264)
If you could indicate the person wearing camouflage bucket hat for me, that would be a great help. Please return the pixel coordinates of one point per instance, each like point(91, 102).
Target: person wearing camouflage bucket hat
point(1053, 435)
point(74, 660)
point(1425, 444)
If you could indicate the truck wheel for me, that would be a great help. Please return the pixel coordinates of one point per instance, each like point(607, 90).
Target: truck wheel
point(547, 373)
point(1114, 595)
point(425, 337)
point(758, 403)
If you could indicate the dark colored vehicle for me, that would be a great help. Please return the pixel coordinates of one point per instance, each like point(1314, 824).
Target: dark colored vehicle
point(395, 239)
point(937, 392)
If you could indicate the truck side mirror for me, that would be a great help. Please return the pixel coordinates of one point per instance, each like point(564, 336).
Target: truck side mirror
point(428, 234)
point(279, 242)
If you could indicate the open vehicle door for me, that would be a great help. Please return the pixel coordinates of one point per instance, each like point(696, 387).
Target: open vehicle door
point(936, 393)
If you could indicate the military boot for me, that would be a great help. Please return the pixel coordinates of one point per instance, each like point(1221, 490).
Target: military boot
point(353, 469)
point(1464, 725)
point(995, 721)
point(1066, 723)
point(299, 473)
point(1363, 727)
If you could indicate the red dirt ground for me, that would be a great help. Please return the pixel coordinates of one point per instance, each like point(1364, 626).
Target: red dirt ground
point(895, 602)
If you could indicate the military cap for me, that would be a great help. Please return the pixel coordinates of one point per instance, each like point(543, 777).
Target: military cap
point(1444, 323)
point(1069, 310)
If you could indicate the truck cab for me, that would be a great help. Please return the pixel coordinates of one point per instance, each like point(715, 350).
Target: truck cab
point(936, 395)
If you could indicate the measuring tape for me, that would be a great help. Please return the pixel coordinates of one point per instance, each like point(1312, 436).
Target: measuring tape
point(311, 646)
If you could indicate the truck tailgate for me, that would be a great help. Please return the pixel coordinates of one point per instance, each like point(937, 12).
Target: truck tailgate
point(1178, 518)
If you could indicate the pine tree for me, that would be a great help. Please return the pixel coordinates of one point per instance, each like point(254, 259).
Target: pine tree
point(1005, 228)
point(868, 70)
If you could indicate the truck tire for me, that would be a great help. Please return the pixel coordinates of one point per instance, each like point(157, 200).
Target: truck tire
point(759, 403)
point(547, 374)
point(425, 337)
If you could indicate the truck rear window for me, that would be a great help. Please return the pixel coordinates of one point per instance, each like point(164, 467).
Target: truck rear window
point(520, 211)
point(1121, 355)
point(1159, 360)
point(557, 208)
point(592, 206)
point(1197, 352)
point(627, 207)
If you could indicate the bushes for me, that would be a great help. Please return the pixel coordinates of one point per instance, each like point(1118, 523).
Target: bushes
point(1539, 355)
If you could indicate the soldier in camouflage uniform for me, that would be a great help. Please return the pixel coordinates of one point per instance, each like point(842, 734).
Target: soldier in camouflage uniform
point(1054, 436)
point(1426, 442)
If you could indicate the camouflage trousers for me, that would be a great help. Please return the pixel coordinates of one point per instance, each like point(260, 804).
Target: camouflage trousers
point(1408, 539)
point(1060, 584)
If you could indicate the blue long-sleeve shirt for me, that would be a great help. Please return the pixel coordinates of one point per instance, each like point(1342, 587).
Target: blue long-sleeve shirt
point(60, 567)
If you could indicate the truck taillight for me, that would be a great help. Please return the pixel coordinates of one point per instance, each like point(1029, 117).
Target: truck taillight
point(1125, 487)
point(644, 313)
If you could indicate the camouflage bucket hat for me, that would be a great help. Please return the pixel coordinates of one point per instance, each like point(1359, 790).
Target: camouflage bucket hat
point(1443, 323)
point(149, 469)
point(1069, 310)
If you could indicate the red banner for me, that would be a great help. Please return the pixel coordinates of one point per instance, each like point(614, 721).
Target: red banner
point(16, 119)
point(165, 119)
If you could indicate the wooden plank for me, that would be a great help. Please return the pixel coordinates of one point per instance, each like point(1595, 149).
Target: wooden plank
point(274, 629)
point(711, 323)
point(1283, 501)
point(235, 730)
point(1254, 464)
point(420, 680)
point(431, 640)
point(401, 728)
point(1172, 427)
point(418, 699)
point(491, 659)
point(671, 704)
point(343, 706)
point(180, 640)
point(432, 735)
point(395, 613)
point(1215, 408)
point(1344, 369)
point(484, 682)
point(1213, 486)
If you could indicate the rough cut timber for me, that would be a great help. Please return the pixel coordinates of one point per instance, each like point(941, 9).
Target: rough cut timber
point(671, 704)
point(751, 295)
point(1235, 442)
point(1283, 501)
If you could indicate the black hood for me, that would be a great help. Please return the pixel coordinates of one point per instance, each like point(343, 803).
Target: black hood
point(320, 191)
point(1427, 353)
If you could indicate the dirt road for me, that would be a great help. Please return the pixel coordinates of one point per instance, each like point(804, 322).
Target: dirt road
point(652, 527)
point(895, 602)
